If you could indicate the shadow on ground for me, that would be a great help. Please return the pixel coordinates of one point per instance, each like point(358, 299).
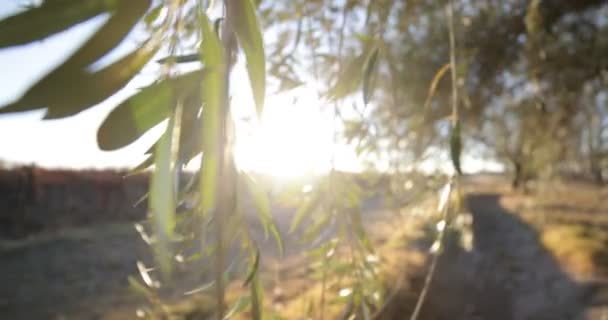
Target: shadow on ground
point(507, 275)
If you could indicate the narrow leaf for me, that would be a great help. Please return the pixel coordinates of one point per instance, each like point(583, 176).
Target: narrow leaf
point(444, 196)
point(49, 18)
point(349, 80)
point(162, 195)
point(304, 210)
point(253, 269)
point(456, 147)
point(144, 110)
point(203, 288)
point(145, 164)
point(240, 305)
point(212, 56)
point(86, 89)
point(124, 16)
point(256, 298)
point(190, 136)
point(180, 59)
point(135, 116)
point(368, 73)
point(314, 230)
point(250, 38)
point(138, 287)
point(367, 315)
point(109, 36)
point(274, 230)
point(348, 310)
point(435, 82)
point(263, 207)
point(261, 201)
point(101, 85)
point(153, 15)
point(360, 233)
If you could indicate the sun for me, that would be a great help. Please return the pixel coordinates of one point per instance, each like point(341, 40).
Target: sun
point(293, 137)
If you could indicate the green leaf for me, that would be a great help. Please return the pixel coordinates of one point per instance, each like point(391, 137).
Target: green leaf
point(190, 139)
point(435, 82)
point(240, 305)
point(145, 164)
point(180, 59)
point(189, 143)
point(368, 73)
point(147, 108)
point(153, 15)
point(85, 89)
point(360, 233)
point(304, 210)
point(349, 79)
point(49, 18)
point(109, 36)
point(250, 38)
point(314, 230)
point(212, 56)
point(367, 314)
point(216, 25)
point(349, 309)
point(205, 287)
point(135, 116)
point(55, 16)
point(253, 269)
point(138, 287)
point(355, 71)
point(456, 147)
point(263, 207)
point(256, 298)
point(274, 230)
point(323, 249)
point(162, 195)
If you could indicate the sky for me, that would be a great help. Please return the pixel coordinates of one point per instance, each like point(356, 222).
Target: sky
point(294, 136)
point(70, 142)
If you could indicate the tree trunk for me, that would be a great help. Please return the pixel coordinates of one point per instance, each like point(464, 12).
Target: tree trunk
point(596, 173)
point(517, 181)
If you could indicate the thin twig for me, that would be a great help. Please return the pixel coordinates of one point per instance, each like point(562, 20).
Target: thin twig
point(225, 185)
point(450, 16)
point(431, 273)
point(454, 179)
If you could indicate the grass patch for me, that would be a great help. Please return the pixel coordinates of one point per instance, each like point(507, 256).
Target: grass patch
point(581, 249)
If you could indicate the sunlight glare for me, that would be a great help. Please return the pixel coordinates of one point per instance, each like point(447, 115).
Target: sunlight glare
point(293, 137)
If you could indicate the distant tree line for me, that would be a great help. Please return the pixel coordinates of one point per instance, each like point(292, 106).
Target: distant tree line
point(34, 199)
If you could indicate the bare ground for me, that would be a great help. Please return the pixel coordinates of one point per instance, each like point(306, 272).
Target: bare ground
point(513, 270)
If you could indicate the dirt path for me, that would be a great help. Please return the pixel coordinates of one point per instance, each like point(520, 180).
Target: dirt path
point(508, 274)
point(511, 260)
point(81, 272)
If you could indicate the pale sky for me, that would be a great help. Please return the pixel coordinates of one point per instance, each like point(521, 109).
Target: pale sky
point(293, 138)
point(59, 143)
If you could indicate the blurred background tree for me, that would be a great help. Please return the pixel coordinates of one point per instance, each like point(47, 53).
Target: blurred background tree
point(532, 76)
